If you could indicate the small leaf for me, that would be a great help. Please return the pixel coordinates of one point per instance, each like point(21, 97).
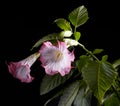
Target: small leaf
point(78, 16)
point(99, 77)
point(97, 51)
point(52, 36)
point(63, 24)
point(50, 82)
point(104, 58)
point(77, 35)
point(116, 63)
point(69, 94)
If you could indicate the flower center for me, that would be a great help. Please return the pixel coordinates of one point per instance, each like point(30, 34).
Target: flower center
point(57, 55)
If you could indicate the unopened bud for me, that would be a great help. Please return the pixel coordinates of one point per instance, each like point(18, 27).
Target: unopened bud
point(71, 42)
point(66, 33)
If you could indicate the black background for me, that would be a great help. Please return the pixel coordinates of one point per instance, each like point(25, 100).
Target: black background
point(22, 24)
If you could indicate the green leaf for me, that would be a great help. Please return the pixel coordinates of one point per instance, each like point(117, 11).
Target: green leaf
point(53, 97)
point(69, 94)
point(104, 58)
point(82, 62)
point(50, 82)
point(112, 101)
point(99, 77)
point(97, 51)
point(52, 36)
point(78, 16)
point(116, 86)
point(116, 63)
point(77, 35)
point(82, 99)
point(63, 24)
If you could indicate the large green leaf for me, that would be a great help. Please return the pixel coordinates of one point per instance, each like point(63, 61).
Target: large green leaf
point(83, 97)
point(69, 94)
point(50, 82)
point(82, 62)
point(112, 101)
point(46, 38)
point(78, 16)
point(53, 97)
point(63, 24)
point(99, 77)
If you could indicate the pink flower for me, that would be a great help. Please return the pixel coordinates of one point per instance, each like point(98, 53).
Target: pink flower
point(56, 59)
point(21, 70)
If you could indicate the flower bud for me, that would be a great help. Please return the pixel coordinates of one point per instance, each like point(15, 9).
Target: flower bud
point(66, 33)
point(71, 42)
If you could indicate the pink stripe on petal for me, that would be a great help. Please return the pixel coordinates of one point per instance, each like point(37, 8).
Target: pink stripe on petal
point(23, 74)
point(12, 66)
point(45, 45)
point(62, 45)
point(72, 56)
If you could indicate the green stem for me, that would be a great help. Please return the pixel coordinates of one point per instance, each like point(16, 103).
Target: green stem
point(74, 31)
point(89, 52)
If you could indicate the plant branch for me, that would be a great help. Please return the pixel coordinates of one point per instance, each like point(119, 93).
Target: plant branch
point(89, 52)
